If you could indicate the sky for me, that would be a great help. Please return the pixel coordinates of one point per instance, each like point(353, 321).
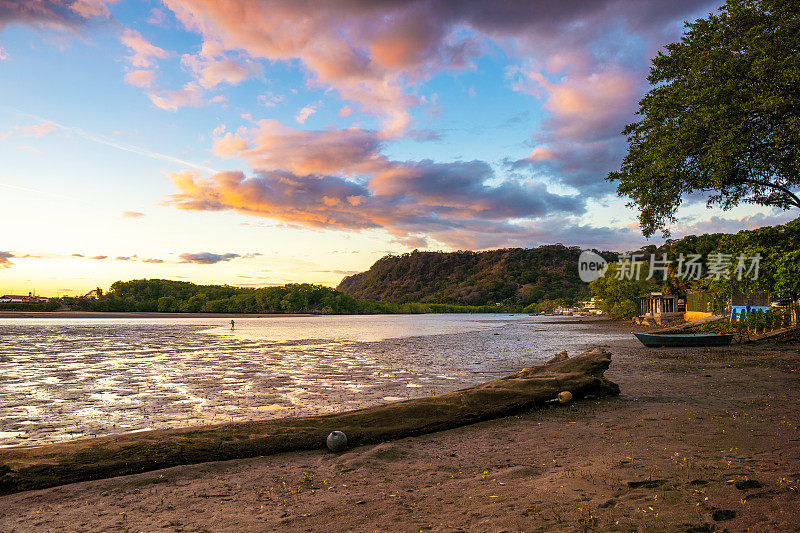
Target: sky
point(259, 143)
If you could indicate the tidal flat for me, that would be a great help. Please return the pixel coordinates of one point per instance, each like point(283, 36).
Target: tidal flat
point(63, 379)
point(698, 440)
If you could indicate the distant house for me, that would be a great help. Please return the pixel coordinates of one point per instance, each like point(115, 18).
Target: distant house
point(591, 306)
point(661, 308)
point(15, 299)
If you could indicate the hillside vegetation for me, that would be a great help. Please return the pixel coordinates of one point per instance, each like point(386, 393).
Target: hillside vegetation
point(778, 274)
point(168, 296)
point(513, 277)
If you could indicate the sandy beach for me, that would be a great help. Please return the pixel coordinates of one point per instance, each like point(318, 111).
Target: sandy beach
point(699, 439)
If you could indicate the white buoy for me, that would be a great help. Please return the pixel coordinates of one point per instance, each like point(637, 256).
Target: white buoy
point(337, 441)
point(564, 397)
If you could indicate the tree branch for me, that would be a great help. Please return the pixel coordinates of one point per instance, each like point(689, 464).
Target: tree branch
point(793, 199)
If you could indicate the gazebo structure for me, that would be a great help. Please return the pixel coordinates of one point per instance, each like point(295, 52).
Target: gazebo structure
point(660, 308)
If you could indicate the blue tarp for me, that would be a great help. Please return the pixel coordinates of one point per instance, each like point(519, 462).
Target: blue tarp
point(740, 312)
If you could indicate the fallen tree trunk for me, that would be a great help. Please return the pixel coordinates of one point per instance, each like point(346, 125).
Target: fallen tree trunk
point(34, 467)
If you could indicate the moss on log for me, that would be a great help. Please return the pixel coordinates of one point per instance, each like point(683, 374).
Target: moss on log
point(34, 467)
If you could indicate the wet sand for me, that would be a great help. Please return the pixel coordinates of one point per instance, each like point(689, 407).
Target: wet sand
point(699, 439)
point(62, 380)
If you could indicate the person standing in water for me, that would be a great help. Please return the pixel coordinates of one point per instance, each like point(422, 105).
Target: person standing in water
point(232, 324)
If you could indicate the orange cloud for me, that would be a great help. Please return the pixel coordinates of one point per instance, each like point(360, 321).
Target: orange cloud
point(5, 259)
point(272, 146)
point(405, 199)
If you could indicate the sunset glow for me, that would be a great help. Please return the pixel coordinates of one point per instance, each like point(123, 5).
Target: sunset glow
point(259, 143)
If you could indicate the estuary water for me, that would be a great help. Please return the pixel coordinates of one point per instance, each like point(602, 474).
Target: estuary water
point(62, 379)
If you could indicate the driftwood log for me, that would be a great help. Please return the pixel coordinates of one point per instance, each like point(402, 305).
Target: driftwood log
point(34, 467)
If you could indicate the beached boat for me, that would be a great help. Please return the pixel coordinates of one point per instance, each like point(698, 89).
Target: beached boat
point(652, 340)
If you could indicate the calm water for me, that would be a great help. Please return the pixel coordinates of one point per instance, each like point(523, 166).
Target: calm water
point(62, 379)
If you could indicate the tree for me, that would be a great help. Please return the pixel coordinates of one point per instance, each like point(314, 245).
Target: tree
point(787, 275)
point(723, 117)
point(620, 297)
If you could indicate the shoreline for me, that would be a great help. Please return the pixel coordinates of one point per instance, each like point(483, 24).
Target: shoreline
point(149, 314)
point(699, 439)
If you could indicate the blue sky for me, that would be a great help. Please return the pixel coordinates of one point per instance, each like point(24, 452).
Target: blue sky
point(254, 143)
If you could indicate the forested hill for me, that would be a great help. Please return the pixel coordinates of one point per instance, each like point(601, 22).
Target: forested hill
point(513, 276)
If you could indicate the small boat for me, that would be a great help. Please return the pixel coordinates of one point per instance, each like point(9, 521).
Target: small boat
point(652, 340)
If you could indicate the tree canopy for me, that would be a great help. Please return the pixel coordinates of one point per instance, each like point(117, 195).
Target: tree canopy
point(722, 118)
point(515, 277)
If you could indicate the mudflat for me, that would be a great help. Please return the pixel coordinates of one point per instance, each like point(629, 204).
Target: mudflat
point(698, 439)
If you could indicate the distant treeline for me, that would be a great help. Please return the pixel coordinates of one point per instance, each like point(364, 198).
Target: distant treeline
point(512, 277)
point(167, 296)
point(50, 305)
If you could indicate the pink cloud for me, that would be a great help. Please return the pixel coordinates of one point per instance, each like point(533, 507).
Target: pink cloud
point(272, 146)
point(190, 95)
point(38, 130)
point(364, 54)
point(213, 66)
point(229, 145)
point(304, 113)
point(33, 130)
point(157, 17)
point(141, 78)
point(269, 99)
point(144, 53)
point(132, 214)
point(589, 105)
point(372, 54)
point(92, 8)
point(207, 258)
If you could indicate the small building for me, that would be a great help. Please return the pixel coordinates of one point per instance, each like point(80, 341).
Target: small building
point(16, 299)
point(564, 310)
point(591, 306)
point(660, 308)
